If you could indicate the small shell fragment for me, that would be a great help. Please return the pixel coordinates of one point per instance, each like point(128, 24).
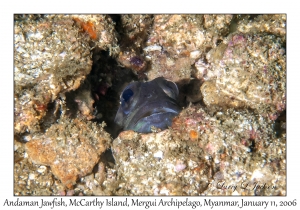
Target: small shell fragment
point(152, 48)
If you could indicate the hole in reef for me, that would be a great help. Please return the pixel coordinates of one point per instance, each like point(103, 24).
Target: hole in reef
point(107, 80)
point(104, 85)
point(51, 116)
point(280, 124)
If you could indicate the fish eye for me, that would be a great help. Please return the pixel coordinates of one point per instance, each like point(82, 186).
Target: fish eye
point(127, 94)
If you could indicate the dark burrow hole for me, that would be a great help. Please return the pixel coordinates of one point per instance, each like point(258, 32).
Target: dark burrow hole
point(101, 89)
point(106, 158)
point(280, 124)
point(106, 82)
point(108, 79)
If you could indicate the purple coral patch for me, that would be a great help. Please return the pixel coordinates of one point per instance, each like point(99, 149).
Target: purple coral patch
point(137, 61)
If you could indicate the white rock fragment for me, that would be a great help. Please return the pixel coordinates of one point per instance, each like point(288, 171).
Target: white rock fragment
point(42, 169)
point(180, 167)
point(63, 54)
point(199, 38)
point(158, 154)
point(21, 50)
point(16, 146)
point(164, 192)
point(195, 54)
point(202, 68)
point(152, 48)
point(256, 175)
point(35, 36)
point(31, 176)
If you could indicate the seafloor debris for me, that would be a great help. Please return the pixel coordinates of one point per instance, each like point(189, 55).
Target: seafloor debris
point(185, 159)
point(250, 70)
point(52, 56)
point(80, 102)
point(101, 31)
point(231, 74)
point(269, 23)
point(240, 144)
point(177, 41)
point(133, 31)
point(159, 164)
point(71, 148)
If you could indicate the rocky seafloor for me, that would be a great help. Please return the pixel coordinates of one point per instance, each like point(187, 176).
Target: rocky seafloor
point(69, 71)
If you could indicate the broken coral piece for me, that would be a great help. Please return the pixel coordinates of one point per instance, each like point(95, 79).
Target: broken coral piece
point(71, 148)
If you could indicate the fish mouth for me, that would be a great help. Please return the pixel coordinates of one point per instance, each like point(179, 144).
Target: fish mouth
point(150, 115)
point(161, 120)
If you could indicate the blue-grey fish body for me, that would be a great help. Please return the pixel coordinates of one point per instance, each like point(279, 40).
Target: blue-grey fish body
point(147, 104)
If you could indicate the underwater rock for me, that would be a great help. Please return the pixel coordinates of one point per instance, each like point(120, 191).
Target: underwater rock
point(50, 57)
point(71, 148)
point(213, 97)
point(268, 23)
point(100, 29)
point(177, 41)
point(134, 29)
point(158, 164)
point(251, 70)
point(217, 141)
point(238, 144)
point(131, 60)
point(198, 151)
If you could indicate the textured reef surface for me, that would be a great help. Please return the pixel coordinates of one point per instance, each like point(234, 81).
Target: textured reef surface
point(150, 104)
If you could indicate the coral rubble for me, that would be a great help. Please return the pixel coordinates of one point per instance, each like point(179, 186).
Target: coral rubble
point(70, 148)
point(50, 58)
point(182, 40)
point(159, 164)
point(186, 159)
point(251, 71)
point(229, 138)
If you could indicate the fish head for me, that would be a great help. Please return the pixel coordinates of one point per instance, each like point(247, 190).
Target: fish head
point(147, 104)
